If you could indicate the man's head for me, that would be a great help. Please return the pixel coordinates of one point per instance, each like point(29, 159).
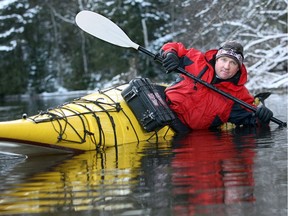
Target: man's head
point(233, 50)
point(229, 59)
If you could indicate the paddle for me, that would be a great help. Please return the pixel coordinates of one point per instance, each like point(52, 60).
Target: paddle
point(106, 30)
point(262, 96)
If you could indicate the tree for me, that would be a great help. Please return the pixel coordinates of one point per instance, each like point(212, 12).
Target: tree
point(13, 66)
point(142, 21)
point(261, 26)
point(52, 53)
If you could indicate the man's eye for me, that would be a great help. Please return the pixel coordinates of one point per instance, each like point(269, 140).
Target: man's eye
point(233, 63)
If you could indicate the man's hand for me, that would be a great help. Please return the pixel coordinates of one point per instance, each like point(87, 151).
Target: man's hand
point(264, 114)
point(170, 61)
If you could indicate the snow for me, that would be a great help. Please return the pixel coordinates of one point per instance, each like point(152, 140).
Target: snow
point(9, 48)
point(7, 33)
point(11, 31)
point(5, 3)
point(263, 73)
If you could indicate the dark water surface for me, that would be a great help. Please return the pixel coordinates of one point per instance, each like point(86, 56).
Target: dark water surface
point(239, 172)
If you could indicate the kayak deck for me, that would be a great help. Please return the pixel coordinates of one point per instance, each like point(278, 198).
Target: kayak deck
point(98, 120)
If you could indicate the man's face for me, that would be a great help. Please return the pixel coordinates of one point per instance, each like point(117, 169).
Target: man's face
point(226, 67)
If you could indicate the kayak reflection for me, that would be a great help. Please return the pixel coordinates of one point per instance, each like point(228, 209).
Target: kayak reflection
point(92, 180)
point(211, 168)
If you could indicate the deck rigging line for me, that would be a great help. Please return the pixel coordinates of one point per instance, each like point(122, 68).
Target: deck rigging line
point(60, 120)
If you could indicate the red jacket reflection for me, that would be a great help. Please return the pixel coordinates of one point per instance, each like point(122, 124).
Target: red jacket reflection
point(209, 170)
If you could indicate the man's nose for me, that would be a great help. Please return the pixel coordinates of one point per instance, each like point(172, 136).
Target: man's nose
point(227, 65)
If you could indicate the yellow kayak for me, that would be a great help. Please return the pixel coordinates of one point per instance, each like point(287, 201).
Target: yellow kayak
point(98, 120)
point(129, 113)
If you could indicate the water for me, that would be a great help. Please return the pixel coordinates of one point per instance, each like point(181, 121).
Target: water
point(238, 172)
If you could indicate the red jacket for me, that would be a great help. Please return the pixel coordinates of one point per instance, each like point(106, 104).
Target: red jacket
point(197, 106)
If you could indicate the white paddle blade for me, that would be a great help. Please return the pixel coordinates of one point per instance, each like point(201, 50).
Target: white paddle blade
point(103, 28)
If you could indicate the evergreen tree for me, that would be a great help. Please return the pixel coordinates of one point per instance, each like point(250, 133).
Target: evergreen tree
point(13, 47)
point(42, 49)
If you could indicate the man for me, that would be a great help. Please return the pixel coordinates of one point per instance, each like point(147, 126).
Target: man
point(199, 107)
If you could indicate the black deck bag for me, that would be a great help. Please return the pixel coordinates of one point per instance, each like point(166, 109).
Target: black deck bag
point(145, 101)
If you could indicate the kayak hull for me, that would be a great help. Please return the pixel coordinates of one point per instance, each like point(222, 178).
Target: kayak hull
point(99, 120)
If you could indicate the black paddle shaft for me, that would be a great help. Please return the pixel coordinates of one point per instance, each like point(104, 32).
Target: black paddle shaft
point(208, 85)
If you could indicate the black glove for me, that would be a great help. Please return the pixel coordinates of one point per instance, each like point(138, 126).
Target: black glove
point(170, 61)
point(264, 114)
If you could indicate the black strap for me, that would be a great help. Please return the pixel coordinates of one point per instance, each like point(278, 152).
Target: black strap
point(200, 75)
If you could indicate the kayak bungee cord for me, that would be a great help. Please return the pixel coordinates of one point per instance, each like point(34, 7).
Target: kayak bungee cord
point(68, 123)
point(61, 119)
point(92, 135)
point(61, 116)
point(110, 119)
point(58, 115)
point(119, 108)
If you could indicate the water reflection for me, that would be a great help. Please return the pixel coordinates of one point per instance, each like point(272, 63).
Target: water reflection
point(213, 168)
point(203, 173)
point(89, 181)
